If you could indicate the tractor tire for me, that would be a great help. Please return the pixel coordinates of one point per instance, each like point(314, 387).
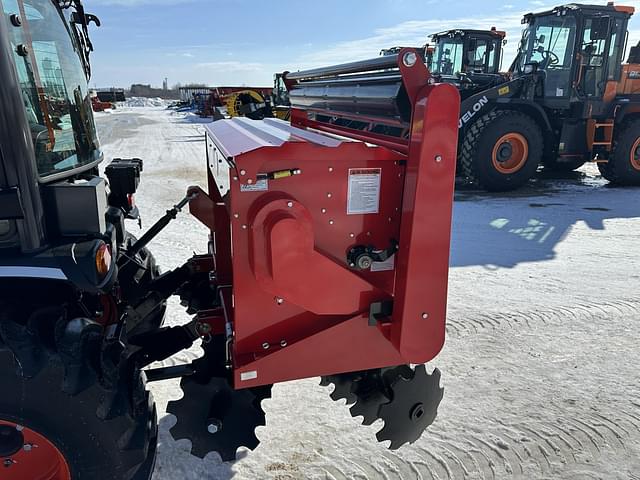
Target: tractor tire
point(71, 403)
point(501, 150)
point(623, 167)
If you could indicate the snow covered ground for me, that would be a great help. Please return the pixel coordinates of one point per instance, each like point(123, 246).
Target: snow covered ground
point(540, 367)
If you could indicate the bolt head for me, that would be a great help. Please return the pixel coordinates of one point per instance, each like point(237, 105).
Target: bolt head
point(330, 169)
point(250, 182)
point(331, 222)
point(290, 204)
point(214, 427)
point(243, 172)
point(265, 346)
point(409, 59)
point(283, 343)
point(16, 21)
point(27, 447)
point(438, 158)
point(22, 50)
point(329, 195)
point(244, 227)
point(236, 215)
point(324, 210)
point(365, 262)
point(279, 301)
point(425, 316)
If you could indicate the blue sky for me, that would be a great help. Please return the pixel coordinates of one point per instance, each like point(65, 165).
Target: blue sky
point(243, 42)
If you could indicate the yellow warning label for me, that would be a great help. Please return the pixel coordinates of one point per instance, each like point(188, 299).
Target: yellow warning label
point(503, 91)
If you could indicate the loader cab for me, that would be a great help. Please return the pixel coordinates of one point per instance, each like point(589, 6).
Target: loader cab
point(579, 49)
point(467, 52)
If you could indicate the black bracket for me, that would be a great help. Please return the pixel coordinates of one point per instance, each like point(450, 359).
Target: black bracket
point(379, 311)
point(362, 257)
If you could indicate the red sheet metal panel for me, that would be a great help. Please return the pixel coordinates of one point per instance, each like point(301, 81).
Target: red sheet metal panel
point(297, 203)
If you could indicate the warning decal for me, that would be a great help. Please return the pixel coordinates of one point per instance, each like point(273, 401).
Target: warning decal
point(262, 185)
point(364, 191)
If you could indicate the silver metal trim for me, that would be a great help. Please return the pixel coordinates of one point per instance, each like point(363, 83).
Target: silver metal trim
point(32, 272)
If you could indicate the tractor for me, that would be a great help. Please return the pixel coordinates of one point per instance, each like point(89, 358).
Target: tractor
point(328, 257)
point(570, 100)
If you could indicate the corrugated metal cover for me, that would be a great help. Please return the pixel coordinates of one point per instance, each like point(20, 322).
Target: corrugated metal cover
point(242, 135)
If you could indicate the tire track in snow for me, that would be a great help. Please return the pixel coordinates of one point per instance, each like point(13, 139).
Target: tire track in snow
point(459, 326)
point(512, 449)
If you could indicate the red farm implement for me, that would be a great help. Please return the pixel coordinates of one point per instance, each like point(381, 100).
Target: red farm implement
point(328, 256)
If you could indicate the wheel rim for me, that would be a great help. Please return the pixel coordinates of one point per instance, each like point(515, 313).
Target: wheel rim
point(27, 454)
point(510, 153)
point(634, 156)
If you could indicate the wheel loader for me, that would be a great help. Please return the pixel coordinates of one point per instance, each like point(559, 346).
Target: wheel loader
point(567, 99)
point(570, 100)
point(328, 257)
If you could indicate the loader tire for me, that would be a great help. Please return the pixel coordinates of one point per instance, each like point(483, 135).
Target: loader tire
point(501, 150)
point(71, 406)
point(623, 167)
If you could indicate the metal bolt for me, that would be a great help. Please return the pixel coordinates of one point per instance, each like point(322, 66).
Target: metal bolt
point(329, 195)
point(236, 215)
point(331, 222)
point(290, 204)
point(365, 262)
point(22, 50)
point(214, 426)
point(425, 316)
point(324, 210)
point(438, 158)
point(244, 227)
point(243, 172)
point(279, 301)
point(203, 328)
point(8, 462)
point(16, 21)
point(283, 343)
point(235, 179)
point(19, 428)
point(266, 346)
point(250, 181)
point(352, 235)
point(410, 59)
point(330, 169)
point(27, 447)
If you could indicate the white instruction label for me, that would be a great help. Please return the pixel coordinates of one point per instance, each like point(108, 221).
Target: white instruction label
point(386, 266)
point(246, 376)
point(364, 191)
point(262, 185)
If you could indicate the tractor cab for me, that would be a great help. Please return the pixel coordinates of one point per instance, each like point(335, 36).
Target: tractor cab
point(471, 59)
point(579, 48)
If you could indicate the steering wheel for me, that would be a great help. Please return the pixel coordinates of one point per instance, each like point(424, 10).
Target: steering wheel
point(550, 58)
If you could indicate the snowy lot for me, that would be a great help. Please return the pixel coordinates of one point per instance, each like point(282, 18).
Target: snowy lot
point(541, 363)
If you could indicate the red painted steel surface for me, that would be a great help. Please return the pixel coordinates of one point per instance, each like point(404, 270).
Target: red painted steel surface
point(298, 309)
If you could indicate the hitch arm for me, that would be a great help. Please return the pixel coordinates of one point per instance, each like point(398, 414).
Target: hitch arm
point(156, 229)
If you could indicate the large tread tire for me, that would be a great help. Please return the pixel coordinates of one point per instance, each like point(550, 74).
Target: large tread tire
point(477, 147)
point(63, 380)
point(620, 169)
